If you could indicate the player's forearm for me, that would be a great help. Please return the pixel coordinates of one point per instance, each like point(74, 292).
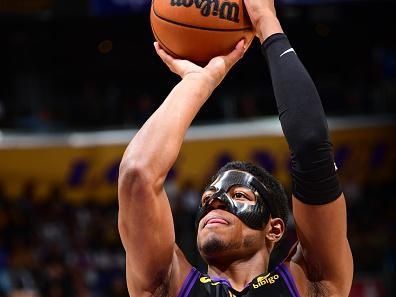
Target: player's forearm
point(303, 122)
point(299, 104)
point(157, 144)
point(268, 25)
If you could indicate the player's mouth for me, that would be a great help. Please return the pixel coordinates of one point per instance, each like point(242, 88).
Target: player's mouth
point(212, 220)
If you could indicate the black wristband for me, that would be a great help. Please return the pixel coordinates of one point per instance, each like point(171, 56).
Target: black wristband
point(303, 122)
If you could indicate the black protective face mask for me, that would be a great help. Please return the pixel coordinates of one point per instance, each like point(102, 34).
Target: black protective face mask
point(255, 216)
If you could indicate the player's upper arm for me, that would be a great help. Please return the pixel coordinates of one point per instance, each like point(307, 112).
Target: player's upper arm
point(146, 230)
point(324, 255)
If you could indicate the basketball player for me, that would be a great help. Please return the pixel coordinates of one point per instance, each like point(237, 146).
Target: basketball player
point(243, 210)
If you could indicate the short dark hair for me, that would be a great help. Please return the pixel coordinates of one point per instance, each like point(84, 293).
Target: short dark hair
point(279, 201)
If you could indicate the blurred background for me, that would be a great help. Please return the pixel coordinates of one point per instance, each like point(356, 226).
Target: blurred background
point(78, 78)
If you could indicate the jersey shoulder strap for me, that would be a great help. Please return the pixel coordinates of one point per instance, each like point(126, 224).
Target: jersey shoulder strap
point(189, 283)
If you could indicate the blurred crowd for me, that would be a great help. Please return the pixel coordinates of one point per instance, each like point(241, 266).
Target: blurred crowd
point(54, 248)
point(88, 73)
point(92, 104)
point(78, 72)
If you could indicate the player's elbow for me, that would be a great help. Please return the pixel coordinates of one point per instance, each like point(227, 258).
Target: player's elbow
point(306, 134)
point(131, 168)
point(134, 188)
point(134, 177)
point(311, 141)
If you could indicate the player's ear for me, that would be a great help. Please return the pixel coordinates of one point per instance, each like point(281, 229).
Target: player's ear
point(276, 229)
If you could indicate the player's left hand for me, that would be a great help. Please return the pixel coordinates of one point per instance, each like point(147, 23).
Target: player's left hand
point(215, 70)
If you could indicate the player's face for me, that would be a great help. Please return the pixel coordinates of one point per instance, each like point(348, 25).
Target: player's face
point(223, 233)
point(249, 205)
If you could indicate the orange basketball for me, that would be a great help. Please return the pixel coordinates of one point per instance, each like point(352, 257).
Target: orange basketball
point(199, 30)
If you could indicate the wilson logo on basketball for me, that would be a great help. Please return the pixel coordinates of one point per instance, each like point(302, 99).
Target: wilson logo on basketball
point(224, 10)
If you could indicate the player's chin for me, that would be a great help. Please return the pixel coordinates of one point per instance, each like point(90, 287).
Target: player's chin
point(212, 245)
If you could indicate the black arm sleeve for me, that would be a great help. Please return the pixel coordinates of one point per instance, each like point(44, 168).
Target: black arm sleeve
point(303, 122)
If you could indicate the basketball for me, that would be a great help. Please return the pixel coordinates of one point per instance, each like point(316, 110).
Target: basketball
point(198, 30)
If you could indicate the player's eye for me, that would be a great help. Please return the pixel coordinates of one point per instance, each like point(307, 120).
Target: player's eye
point(240, 196)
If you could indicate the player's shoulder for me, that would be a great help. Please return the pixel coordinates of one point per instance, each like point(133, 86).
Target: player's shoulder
point(308, 280)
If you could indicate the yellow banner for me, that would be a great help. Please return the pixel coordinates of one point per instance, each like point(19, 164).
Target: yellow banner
point(363, 156)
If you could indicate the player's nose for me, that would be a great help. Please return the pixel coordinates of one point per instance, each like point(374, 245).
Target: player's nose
point(217, 203)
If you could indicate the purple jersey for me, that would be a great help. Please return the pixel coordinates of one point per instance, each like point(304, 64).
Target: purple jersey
point(278, 283)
